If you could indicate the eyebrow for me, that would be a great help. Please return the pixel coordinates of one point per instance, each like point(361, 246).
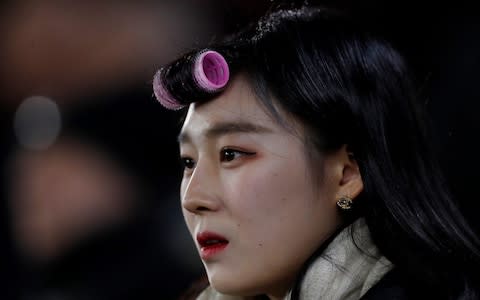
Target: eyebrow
point(226, 128)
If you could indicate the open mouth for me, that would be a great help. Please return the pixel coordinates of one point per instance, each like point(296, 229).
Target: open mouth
point(211, 244)
point(210, 239)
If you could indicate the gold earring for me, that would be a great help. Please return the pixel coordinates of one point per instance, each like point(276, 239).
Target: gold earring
point(345, 203)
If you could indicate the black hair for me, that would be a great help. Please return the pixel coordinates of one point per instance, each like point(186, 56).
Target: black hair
point(351, 87)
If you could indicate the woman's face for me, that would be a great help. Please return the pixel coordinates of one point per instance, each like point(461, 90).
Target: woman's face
point(248, 194)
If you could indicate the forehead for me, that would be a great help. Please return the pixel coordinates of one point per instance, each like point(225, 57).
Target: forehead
point(236, 104)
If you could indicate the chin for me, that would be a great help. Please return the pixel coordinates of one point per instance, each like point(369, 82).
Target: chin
point(232, 285)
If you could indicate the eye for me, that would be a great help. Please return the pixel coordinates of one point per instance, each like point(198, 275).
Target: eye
point(188, 163)
point(228, 154)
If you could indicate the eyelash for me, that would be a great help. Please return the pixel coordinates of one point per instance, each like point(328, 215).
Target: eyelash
point(228, 151)
point(189, 163)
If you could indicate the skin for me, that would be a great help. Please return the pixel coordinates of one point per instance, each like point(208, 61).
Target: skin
point(249, 179)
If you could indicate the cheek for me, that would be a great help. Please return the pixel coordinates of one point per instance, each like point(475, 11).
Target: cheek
point(278, 201)
point(187, 216)
point(254, 193)
point(183, 186)
point(280, 221)
point(270, 196)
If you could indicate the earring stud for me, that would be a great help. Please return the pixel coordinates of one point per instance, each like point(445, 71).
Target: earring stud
point(345, 203)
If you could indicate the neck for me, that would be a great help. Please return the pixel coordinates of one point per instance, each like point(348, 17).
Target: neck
point(281, 291)
point(279, 296)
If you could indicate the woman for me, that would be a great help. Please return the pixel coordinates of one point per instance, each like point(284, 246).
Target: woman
point(307, 174)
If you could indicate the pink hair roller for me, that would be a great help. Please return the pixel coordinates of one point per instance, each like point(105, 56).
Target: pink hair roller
point(211, 71)
point(210, 74)
point(162, 95)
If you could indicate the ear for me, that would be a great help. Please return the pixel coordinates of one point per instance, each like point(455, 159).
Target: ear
point(350, 181)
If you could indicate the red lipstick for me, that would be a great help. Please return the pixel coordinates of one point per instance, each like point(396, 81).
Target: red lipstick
point(210, 244)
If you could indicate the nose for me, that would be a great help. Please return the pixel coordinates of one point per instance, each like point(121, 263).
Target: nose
point(199, 191)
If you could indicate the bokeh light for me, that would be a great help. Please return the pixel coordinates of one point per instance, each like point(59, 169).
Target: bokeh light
point(37, 122)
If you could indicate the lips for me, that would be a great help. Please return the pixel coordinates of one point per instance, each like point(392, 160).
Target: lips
point(211, 244)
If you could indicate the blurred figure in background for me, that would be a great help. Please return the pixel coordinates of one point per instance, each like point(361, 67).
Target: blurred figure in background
point(61, 200)
point(65, 194)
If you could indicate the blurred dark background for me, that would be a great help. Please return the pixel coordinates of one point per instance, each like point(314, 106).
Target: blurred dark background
point(88, 159)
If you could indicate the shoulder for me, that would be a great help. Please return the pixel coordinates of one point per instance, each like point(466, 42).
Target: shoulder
point(397, 286)
point(391, 286)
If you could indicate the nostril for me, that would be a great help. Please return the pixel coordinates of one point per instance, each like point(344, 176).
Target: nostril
point(202, 208)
